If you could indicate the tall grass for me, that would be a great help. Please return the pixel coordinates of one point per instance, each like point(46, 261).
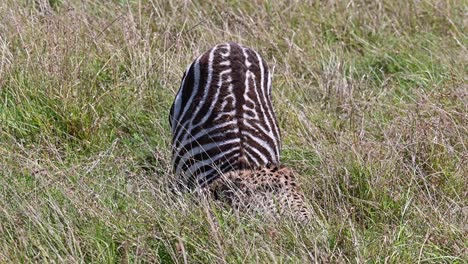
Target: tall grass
point(371, 97)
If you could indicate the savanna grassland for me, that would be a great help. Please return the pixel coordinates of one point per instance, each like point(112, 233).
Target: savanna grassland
point(371, 97)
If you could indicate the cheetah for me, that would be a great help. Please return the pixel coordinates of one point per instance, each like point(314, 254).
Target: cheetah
point(270, 190)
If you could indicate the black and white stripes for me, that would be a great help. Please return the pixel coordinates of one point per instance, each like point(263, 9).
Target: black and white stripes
point(222, 118)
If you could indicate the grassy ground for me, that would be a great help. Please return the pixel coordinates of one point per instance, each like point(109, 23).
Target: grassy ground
point(372, 99)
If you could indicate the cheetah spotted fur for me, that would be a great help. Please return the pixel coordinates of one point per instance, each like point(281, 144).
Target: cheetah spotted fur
point(269, 190)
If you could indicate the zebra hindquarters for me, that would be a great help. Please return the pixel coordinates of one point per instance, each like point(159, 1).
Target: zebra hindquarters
point(222, 118)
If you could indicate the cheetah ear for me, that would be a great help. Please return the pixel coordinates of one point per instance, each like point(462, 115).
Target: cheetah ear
point(286, 171)
point(290, 177)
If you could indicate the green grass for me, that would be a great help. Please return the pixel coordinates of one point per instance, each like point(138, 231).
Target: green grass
point(371, 97)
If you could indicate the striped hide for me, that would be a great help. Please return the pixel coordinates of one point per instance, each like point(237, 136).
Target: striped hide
point(222, 118)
